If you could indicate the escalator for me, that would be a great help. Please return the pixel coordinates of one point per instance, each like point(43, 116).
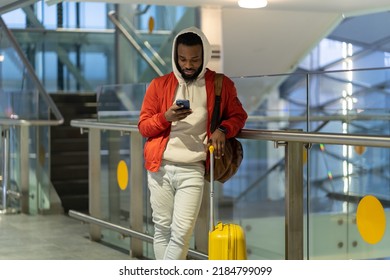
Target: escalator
point(69, 150)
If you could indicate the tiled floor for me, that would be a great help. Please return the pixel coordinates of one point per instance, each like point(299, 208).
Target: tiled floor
point(50, 237)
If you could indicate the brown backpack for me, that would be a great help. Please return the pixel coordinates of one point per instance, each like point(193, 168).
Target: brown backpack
point(226, 166)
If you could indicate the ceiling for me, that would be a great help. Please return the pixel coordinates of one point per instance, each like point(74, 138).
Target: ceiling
point(345, 7)
point(280, 24)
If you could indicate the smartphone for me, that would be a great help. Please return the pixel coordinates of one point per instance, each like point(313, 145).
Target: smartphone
point(184, 103)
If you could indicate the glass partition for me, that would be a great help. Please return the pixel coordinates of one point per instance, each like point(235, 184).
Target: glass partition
point(26, 111)
point(151, 45)
point(341, 175)
point(19, 97)
point(120, 103)
point(65, 53)
point(116, 190)
point(337, 176)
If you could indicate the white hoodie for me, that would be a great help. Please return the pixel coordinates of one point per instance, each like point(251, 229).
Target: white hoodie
point(187, 140)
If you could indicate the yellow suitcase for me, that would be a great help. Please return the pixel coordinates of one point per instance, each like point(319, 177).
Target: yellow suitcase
point(226, 241)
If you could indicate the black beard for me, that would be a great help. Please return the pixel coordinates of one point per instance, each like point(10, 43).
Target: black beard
point(192, 77)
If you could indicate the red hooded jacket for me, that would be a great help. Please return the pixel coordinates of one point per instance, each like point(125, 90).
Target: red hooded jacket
point(159, 97)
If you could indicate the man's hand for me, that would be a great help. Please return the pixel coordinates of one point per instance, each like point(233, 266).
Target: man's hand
point(218, 139)
point(176, 113)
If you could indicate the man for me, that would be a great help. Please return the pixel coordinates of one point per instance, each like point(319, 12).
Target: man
point(178, 138)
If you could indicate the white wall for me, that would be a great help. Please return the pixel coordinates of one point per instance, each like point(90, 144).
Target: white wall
point(211, 25)
point(262, 42)
point(259, 42)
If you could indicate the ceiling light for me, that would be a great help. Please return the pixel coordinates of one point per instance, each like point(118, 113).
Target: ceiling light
point(252, 4)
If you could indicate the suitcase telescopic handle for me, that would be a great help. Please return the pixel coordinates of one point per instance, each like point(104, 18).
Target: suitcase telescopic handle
point(211, 150)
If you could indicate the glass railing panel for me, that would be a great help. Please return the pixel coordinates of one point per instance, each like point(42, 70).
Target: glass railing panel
point(248, 202)
point(19, 99)
point(340, 177)
point(355, 101)
point(120, 103)
point(116, 190)
point(22, 95)
point(257, 191)
point(28, 186)
point(40, 163)
point(325, 101)
point(114, 148)
point(255, 199)
point(28, 169)
point(19, 105)
point(162, 41)
point(19, 94)
point(350, 102)
point(255, 196)
point(25, 110)
point(56, 48)
point(149, 48)
point(153, 48)
point(14, 184)
point(267, 106)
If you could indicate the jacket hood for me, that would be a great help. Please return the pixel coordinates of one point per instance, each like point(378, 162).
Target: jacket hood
point(206, 52)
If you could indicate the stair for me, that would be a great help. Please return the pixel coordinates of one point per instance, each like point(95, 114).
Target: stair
point(69, 150)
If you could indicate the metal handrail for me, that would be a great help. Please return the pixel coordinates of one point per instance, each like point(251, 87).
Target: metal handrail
point(23, 122)
point(105, 125)
point(15, 5)
point(320, 138)
point(343, 118)
point(125, 231)
point(257, 134)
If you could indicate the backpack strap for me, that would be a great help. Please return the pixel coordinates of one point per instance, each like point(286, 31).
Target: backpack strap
point(218, 79)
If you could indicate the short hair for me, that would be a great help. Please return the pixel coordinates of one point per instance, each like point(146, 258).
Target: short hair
point(189, 39)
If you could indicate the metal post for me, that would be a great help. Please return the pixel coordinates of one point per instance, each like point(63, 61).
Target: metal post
point(5, 141)
point(202, 224)
point(28, 201)
point(94, 181)
point(136, 193)
point(294, 201)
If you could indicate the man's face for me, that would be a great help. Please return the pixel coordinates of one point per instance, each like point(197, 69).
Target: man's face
point(190, 61)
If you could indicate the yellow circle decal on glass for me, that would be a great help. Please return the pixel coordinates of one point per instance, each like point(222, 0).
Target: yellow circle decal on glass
point(122, 175)
point(151, 24)
point(371, 219)
point(359, 150)
point(304, 156)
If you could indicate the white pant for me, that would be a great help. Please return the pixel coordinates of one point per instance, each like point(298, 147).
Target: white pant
point(175, 196)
